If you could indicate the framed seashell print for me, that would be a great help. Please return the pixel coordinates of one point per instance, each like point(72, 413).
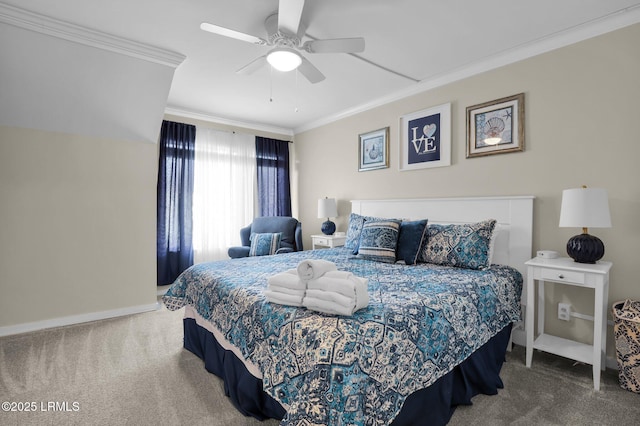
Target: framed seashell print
point(374, 150)
point(496, 127)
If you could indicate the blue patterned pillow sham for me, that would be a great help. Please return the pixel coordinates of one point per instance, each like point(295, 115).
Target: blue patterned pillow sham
point(354, 230)
point(464, 245)
point(263, 244)
point(379, 240)
point(411, 240)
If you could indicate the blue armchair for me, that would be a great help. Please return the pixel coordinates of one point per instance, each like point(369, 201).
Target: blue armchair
point(291, 234)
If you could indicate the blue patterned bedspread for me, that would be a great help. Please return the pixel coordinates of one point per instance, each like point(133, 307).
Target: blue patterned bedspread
point(421, 321)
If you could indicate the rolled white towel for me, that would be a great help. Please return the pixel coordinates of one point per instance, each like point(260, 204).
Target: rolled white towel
point(288, 279)
point(327, 307)
point(352, 286)
point(286, 290)
point(282, 298)
point(314, 268)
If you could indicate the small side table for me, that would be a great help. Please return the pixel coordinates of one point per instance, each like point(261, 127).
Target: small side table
point(330, 241)
point(565, 271)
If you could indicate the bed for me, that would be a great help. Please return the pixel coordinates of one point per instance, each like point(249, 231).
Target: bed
point(431, 337)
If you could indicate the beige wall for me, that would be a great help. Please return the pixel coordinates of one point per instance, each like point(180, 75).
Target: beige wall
point(77, 225)
point(582, 108)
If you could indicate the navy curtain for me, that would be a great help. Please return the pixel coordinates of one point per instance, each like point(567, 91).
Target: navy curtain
point(274, 192)
point(175, 193)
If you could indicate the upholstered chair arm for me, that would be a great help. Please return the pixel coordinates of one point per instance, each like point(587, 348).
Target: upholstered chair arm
point(298, 236)
point(237, 252)
point(245, 234)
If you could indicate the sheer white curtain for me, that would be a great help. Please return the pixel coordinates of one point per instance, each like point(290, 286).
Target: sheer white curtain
point(223, 191)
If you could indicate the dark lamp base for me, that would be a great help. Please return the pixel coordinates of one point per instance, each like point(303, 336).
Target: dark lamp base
point(328, 228)
point(585, 248)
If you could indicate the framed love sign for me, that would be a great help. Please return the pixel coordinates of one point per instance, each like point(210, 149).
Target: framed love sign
point(425, 139)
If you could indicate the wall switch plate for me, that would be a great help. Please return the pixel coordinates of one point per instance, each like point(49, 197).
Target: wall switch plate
point(564, 311)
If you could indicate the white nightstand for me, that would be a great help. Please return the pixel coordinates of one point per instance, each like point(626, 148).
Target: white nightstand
point(565, 271)
point(330, 241)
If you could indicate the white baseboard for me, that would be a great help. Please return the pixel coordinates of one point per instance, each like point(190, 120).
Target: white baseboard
point(76, 319)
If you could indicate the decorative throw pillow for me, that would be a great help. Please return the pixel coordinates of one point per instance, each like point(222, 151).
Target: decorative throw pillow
point(464, 246)
point(379, 239)
point(412, 238)
point(354, 230)
point(264, 244)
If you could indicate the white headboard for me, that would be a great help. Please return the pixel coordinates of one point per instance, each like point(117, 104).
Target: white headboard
point(513, 244)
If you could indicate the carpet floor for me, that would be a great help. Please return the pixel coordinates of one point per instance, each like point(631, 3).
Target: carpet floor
point(133, 371)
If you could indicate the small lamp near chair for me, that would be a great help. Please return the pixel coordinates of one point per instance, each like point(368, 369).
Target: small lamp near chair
point(327, 208)
point(585, 208)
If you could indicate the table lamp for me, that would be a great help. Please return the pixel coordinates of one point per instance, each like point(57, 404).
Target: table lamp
point(585, 208)
point(327, 208)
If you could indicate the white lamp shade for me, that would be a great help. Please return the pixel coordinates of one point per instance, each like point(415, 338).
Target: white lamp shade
point(327, 207)
point(284, 59)
point(585, 208)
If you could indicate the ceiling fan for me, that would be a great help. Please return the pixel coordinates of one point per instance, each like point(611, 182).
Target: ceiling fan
point(285, 31)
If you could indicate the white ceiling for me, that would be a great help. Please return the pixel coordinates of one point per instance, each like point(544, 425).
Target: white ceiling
point(429, 41)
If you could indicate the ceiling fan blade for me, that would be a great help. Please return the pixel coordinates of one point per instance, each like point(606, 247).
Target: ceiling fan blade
point(226, 32)
point(290, 16)
point(253, 66)
point(310, 72)
point(336, 45)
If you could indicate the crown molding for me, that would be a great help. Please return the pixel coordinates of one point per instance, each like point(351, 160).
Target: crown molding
point(614, 21)
point(227, 122)
point(64, 30)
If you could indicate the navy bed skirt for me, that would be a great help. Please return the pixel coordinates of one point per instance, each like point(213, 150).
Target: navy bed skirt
point(480, 373)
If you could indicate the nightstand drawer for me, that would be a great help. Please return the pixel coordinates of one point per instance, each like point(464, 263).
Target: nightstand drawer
point(560, 276)
point(321, 241)
point(328, 240)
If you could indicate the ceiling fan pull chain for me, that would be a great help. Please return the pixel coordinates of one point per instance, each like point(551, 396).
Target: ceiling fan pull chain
point(270, 83)
point(295, 96)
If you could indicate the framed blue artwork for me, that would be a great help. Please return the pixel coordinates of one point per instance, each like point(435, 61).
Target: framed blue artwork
point(496, 127)
point(374, 150)
point(426, 138)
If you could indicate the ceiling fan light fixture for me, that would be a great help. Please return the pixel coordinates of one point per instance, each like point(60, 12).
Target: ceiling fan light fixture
point(284, 59)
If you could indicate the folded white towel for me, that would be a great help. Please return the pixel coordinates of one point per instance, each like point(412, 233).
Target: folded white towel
point(329, 307)
point(331, 296)
point(339, 274)
point(282, 298)
point(337, 293)
point(288, 279)
point(314, 268)
point(351, 286)
point(286, 290)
